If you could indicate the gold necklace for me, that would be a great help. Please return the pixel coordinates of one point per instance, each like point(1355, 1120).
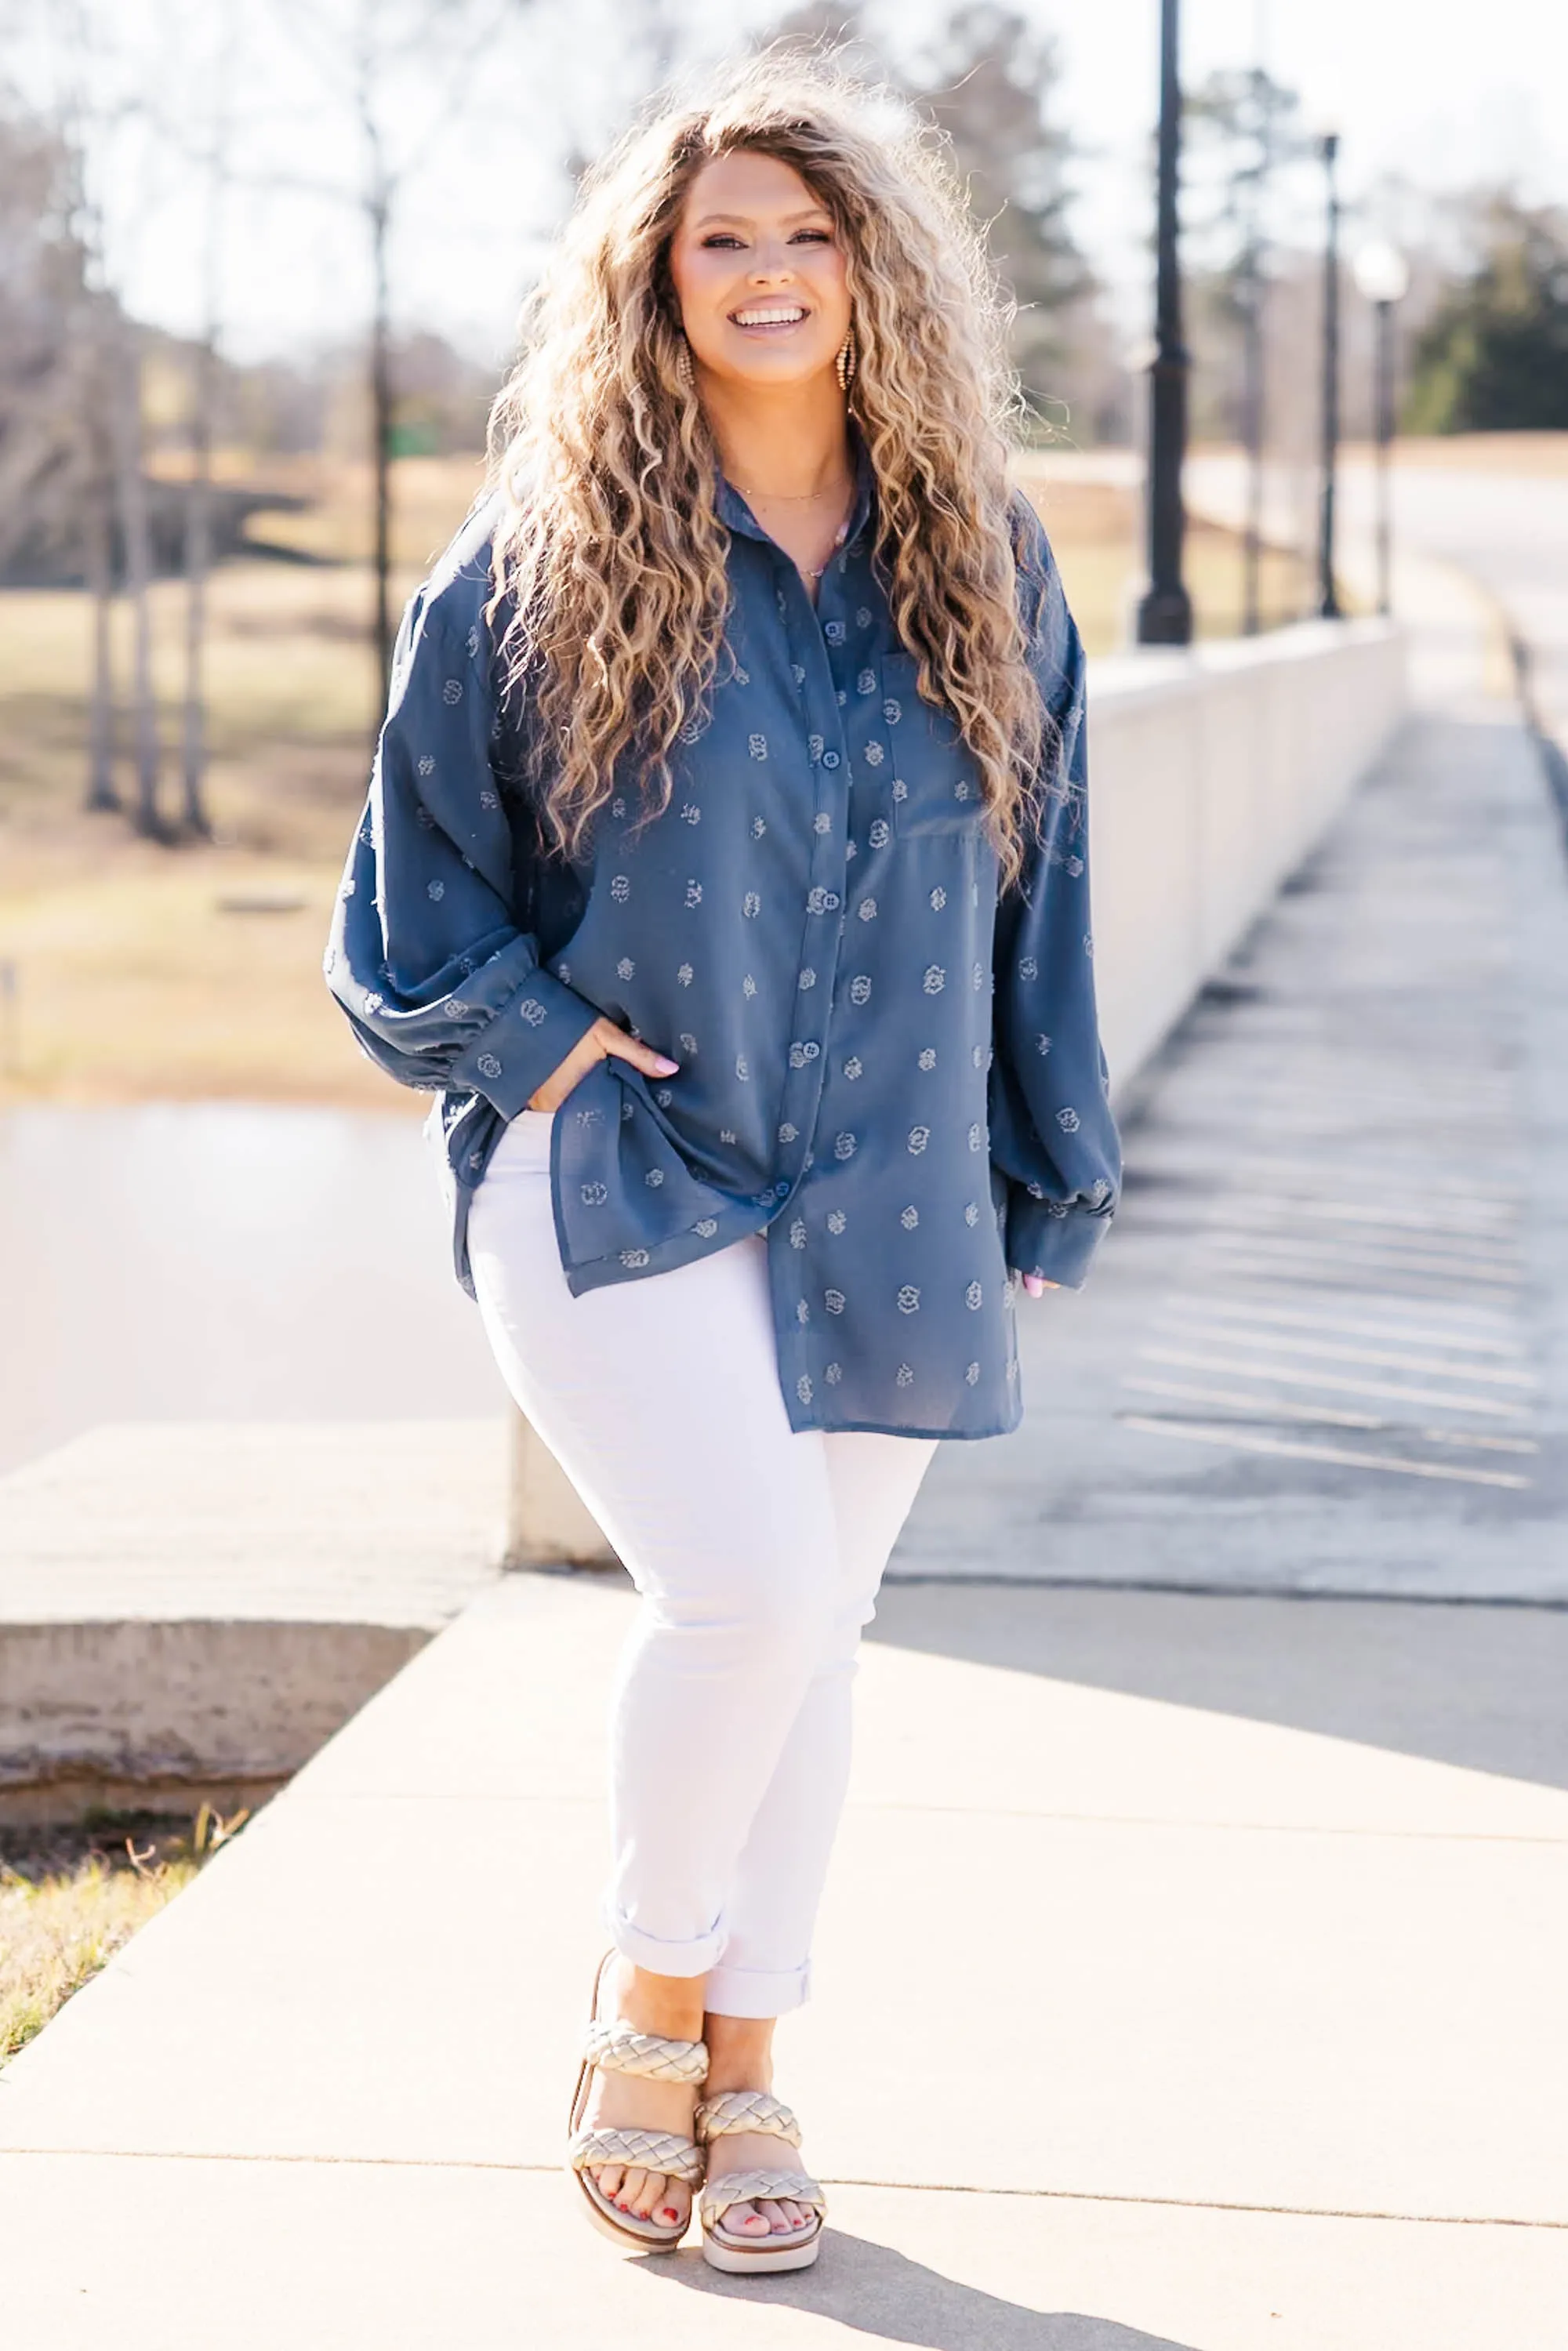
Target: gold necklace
point(839, 537)
point(795, 497)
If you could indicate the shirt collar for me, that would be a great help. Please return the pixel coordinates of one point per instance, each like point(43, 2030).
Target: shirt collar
point(737, 515)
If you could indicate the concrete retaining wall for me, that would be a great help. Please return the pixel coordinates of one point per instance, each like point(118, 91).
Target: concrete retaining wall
point(1213, 771)
point(188, 1611)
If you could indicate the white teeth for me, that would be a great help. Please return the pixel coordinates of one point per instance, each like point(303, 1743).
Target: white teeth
point(768, 318)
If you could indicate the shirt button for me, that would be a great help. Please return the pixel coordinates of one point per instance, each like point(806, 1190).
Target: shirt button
point(829, 758)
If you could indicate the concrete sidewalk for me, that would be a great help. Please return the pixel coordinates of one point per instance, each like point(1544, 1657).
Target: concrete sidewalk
point(1215, 2030)
point(1326, 1347)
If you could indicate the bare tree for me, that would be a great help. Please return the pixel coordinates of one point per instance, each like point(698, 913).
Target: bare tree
point(375, 54)
point(55, 468)
point(1248, 121)
point(203, 391)
point(990, 78)
point(992, 85)
point(198, 563)
point(89, 119)
point(380, 194)
point(99, 552)
point(130, 485)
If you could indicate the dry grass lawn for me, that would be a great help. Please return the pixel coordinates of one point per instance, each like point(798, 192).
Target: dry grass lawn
point(70, 1898)
point(1486, 452)
point(145, 972)
point(1096, 535)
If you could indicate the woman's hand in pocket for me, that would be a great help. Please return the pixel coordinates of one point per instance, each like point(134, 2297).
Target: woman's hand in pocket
point(598, 1044)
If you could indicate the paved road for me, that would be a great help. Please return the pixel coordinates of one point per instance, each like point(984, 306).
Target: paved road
point(1509, 533)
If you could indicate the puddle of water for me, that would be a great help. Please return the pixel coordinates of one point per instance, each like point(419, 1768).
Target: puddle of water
point(226, 1262)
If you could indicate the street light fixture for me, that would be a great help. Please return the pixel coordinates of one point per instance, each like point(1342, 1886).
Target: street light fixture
point(1328, 594)
point(1164, 613)
point(1382, 277)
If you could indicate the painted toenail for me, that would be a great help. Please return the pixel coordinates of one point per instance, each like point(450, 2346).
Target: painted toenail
point(671, 2213)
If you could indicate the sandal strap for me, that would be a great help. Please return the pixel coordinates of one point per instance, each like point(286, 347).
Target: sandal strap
point(647, 2150)
point(617, 2048)
point(746, 2110)
point(754, 2186)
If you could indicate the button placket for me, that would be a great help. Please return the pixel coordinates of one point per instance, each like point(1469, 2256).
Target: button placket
point(822, 637)
point(827, 882)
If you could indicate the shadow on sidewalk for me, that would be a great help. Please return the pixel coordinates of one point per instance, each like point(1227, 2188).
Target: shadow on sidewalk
point(1470, 1685)
point(869, 2289)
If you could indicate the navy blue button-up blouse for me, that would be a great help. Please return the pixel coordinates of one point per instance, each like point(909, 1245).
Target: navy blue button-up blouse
point(887, 1067)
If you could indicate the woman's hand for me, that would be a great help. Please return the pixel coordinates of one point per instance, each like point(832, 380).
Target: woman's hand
point(597, 1045)
point(1037, 1285)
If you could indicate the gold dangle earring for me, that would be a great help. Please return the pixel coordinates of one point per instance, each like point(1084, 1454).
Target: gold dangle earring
point(844, 365)
point(684, 367)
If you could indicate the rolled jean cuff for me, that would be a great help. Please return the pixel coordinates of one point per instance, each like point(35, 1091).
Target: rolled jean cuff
point(758, 1991)
point(696, 1958)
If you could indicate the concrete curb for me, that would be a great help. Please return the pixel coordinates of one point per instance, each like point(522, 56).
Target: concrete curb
point(189, 1612)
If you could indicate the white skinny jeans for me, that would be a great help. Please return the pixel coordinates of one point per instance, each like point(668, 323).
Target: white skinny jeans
point(757, 1552)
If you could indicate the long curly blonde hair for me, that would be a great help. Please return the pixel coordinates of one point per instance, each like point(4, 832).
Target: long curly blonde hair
point(609, 550)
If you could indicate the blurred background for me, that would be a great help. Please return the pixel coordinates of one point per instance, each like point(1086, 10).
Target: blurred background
point(260, 263)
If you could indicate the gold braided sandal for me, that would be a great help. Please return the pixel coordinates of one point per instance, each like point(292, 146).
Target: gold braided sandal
point(613, 2047)
point(754, 2110)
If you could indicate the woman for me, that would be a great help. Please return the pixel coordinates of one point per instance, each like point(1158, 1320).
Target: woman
point(724, 870)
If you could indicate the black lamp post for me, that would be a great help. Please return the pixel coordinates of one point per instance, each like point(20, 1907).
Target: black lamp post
point(1164, 613)
point(1385, 280)
point(1328, 595)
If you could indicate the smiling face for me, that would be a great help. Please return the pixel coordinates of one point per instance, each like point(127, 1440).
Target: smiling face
point(758, 273)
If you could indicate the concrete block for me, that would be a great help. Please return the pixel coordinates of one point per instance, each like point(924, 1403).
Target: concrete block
point(139, 1713)
point(190, 1609)
point(548, 1522)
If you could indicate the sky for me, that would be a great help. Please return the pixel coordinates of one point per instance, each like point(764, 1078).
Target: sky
point(1407, 83)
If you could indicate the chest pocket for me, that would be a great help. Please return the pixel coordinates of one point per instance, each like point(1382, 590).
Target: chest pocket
point(936, 785)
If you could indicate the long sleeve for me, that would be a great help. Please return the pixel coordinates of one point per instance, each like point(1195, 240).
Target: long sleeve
point(441, 987)
point(1052, 1134)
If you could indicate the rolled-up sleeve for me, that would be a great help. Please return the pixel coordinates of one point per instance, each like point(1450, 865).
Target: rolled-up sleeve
point(1052, 1134)
point(441, 987)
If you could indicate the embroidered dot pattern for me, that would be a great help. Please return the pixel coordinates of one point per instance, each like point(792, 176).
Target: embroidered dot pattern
point(836, 1046)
